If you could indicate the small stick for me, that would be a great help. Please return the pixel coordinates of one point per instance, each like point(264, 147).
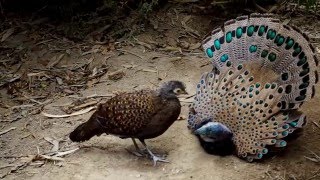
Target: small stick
point(12, 156)
point(22, 106)
point(8, 130)
point(315, 123)
point(6, 166)
point(130, 53)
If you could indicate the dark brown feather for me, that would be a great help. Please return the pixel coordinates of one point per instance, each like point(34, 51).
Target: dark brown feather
point(141, 114)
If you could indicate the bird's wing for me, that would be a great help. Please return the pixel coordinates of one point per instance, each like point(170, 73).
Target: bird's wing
point(128, 113)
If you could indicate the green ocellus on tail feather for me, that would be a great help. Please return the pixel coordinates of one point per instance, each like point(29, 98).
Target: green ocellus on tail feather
point(263, 71)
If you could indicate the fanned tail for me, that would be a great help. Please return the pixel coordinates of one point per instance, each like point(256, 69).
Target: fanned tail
point(263, 40)
point(263, 72)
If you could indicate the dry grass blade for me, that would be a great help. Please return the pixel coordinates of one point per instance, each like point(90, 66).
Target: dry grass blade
point(54, 142)
point(68, 115)
point(46, 157)
point(143, 43)
point(316, 174)
point(54, 61)
point(149, 70)
point(129, 52)
point(90, 52)
point(76, 108)
point(6, 166)
point(316, 157)
point(7, 34)
point(8, 130)
point(59, 154)
point(315, 123)
point(22, 106)
point(99, 95)
point(312, 159)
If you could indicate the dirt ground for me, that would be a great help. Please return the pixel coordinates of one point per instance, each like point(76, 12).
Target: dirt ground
point(49, 73)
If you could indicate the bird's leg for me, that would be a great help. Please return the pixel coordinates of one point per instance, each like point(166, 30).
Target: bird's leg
point(138, 151)
point(136, 145)
point(154, 157)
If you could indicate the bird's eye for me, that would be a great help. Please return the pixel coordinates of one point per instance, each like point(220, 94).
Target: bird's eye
point(177, 91)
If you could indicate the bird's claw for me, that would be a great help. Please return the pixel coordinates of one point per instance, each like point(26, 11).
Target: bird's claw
point(156, 159)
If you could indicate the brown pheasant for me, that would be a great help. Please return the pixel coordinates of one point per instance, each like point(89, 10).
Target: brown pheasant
point(141, 114)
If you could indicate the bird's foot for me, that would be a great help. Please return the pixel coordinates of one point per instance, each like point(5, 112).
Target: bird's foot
point(160, 159)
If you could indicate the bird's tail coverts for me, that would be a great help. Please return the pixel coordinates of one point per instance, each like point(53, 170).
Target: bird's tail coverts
point(263, 71)
point(263, 40)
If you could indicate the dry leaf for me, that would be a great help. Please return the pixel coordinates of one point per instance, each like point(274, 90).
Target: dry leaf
point(68, 115)
point(59, 81)
point(94, 72)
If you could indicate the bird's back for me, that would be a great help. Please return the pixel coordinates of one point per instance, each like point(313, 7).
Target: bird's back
point(128, 113)
point(263, 72)
point(140, 114)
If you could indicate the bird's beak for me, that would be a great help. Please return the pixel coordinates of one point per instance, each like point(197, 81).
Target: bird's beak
point(185, 92)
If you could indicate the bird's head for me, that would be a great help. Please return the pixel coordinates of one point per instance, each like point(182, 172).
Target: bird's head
point(173, 88)
point(213, 132)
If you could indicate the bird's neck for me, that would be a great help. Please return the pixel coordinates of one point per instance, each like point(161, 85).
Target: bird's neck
point(167, 94)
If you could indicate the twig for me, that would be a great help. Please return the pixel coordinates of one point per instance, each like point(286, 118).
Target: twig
point(33, 100)
point(12, 156)
point(27, 98)
point(68, 115)
point(131, 53)
point(93, 96)
point(8, 130)
point(317, 173)
point(43, 42)
point(6, 166)
point(315, 123)
point(316, 157)
point(59, 154)
point(85, 105)
point(22, 106)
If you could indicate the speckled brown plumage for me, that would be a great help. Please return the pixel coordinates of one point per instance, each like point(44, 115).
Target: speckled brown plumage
point(140, 114)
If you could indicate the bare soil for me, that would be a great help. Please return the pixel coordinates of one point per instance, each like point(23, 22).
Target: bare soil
point(166, 50)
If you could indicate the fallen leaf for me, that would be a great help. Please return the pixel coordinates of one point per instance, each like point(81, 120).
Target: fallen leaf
point(59, 81)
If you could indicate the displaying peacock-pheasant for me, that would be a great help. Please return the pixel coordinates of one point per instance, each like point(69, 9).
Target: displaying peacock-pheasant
point(263, 71)
point(143, 114)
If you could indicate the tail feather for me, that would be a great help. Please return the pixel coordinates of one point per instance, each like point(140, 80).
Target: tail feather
point(263, 40)
point(263, 72)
